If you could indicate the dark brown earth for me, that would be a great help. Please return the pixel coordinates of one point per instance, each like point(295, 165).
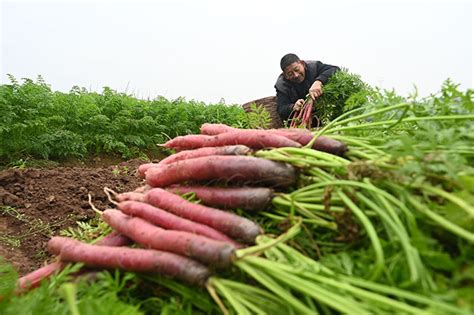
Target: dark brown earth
point(36, 204)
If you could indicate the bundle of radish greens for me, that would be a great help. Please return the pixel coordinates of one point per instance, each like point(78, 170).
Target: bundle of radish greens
point(371, 214)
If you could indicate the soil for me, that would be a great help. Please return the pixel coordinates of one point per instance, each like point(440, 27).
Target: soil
point(38, 203)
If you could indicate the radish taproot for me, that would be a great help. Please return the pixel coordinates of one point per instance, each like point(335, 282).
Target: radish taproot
point(235, 226)
point(130, 259)
point(207, 151)
point(257, 139)
point(33, 279)
point(247, 198)
point(215, 129)
point(302, 136)
point(143, 168)
point(131, 196)
point(216, 253)
point(244, 169)
point(322, 143)
point(170, 221)
point(200, 152)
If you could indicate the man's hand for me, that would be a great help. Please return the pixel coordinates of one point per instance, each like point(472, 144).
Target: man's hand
point(316, 90)
point(298, 105)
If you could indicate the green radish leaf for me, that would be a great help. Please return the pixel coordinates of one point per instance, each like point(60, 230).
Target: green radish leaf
point(456, 214)
point(8, 278)
point(467, 182)
point(438, 260)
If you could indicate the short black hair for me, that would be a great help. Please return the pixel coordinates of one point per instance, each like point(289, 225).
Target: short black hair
point(287, 60)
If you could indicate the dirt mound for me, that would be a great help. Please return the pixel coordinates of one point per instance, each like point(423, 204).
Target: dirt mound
point(36, 204)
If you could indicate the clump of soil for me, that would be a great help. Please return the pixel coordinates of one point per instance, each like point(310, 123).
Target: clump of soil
point(36, 204)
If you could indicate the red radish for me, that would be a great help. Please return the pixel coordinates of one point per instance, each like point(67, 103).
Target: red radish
point(231, 224)
point(215, 129)
point(145, 167)
point(307, 116)
point(257, 139)
point(247, 198)
point(204, 249)
point(302, 136)
point(34, 278)
point(322, 143)
point(302, 118)
point(188, 142)
point(130, 259)
point(130, 196)
point(245, 169)
point(206, 151)
point(170, 221)
point(142, 189)
point(114, 238)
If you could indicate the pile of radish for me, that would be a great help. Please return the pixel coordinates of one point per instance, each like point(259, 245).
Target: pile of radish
point(305, 180)
point(178, 238)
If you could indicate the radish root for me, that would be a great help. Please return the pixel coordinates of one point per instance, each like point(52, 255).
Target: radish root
point(109, 192)
point(92, 205)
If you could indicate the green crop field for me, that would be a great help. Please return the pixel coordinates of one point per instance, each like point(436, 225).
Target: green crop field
point(39, 123)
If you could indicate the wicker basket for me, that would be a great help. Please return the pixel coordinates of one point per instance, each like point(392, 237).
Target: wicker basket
point(270, 105)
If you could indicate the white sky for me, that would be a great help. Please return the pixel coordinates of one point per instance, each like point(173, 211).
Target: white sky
point(207, 50)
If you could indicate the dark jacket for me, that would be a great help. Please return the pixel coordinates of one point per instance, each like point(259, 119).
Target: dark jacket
point(288, 92)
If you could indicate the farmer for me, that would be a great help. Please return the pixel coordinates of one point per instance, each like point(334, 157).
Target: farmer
point(298, 79)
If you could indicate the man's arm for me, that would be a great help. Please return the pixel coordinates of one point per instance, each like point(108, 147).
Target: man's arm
point(324, 72)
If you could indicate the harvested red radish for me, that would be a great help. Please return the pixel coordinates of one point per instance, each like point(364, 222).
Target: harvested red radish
point(204, 249)
point(302, 136)
point(247, 198)
point(322, 143)
point(34, 278)
point(231, 224)
point(215, 129)
point(243, 169)
point(258, 139)
point(130, 196)
point(206, 151)
point(170, 221)
point(142, 189)
point(143, 168)
point(130, 259)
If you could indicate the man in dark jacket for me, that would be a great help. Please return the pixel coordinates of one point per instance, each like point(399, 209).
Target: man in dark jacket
point(300, 78)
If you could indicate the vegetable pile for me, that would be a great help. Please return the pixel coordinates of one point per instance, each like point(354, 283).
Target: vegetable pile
point(178, 236)
point(371, 214)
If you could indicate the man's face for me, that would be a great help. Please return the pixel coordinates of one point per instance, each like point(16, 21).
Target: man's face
point(295, 72)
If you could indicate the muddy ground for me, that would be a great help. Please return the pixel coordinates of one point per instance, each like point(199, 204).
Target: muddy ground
point(36, 204)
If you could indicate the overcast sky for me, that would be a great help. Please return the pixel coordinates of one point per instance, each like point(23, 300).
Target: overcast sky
point(208, 50)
